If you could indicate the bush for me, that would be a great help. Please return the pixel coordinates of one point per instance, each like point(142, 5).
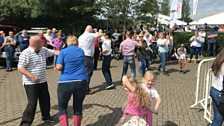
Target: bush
point(182, 38)
point(220, 41)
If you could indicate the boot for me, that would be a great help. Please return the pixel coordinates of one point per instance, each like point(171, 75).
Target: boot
point(63, 119)
point(77, 120)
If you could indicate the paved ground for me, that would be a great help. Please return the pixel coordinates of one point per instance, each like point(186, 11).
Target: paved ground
point(104, 108)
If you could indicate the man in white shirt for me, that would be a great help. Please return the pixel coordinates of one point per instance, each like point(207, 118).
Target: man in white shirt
point(86, 43)
point(48, 36)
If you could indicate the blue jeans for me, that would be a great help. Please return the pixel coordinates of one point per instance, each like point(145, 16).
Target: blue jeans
point(211, 49)
point(106, 69)
point(144, 64)
point(23, 47)
point(218, 118)
point(9, 53)
point(202, 48)
point(162, 64)
point(89, 66)
point(65, 91)
point(194, 50)
point(170, 51)
point(55, 60)
point(131, 61)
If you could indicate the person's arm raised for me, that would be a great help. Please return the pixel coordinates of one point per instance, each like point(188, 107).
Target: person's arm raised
point(127, 84)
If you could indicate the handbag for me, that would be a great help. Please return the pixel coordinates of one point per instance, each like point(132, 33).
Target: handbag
point(221, 102)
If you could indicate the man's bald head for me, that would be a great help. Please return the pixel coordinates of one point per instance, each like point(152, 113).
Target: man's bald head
point(35, 42)
point(89, 29)
point(41, 34)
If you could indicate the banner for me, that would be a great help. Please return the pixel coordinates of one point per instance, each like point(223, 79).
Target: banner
point(178, 10)
point(195, 6)
point(173, 9)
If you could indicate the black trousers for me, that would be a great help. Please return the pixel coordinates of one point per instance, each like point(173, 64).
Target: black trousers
point(34, 93)
point(96, 57)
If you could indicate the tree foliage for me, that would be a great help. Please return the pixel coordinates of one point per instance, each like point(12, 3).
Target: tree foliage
point(74, 15)
point(186, 11)
point(67, 14)
point(165, 7)
point(133, 11)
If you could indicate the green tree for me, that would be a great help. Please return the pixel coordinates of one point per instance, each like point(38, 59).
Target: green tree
point(65, 14)
point(186, 11)
point(128, 12)
point(165, 7)
point(148, 11)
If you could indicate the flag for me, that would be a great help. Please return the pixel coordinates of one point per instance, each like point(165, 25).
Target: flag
point(173, 14)
point(195, 6)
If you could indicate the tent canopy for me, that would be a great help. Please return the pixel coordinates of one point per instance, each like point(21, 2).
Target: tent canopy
point(163, 19)
point(214, 19)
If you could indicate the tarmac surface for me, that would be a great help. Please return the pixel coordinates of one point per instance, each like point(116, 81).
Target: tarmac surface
point(105, 107)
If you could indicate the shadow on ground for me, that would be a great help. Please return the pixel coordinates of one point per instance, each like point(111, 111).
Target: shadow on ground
point(102, 87)
point(169, 123)
point(110, 118)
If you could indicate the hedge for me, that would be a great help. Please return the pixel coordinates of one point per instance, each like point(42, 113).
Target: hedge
point(183, 38)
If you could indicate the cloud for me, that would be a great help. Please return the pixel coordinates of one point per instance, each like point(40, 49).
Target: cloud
point(208, 8)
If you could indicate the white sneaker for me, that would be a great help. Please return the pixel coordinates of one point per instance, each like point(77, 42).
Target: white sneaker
point(109, 87)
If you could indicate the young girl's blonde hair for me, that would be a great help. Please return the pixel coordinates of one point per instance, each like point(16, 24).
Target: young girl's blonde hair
point(141, 97)
point(149, 73)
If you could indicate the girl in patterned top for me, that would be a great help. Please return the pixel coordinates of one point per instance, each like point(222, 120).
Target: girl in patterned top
point(138, 103)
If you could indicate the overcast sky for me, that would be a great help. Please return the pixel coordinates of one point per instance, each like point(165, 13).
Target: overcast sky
point(207, 8)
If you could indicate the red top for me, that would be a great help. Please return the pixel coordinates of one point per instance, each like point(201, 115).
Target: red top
point(44, 42)
point(96, 43)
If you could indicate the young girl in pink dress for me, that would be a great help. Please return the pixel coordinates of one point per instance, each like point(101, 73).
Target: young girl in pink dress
point(137, 108)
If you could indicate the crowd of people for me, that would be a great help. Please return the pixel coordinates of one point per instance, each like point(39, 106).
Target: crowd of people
point(77, 58)
point(10, 44)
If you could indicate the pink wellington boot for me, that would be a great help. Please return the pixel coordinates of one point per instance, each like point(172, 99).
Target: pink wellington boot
point(77, 120)
point(63, 119)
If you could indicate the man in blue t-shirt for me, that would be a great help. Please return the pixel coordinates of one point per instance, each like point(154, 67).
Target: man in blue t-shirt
point(212, 35)
point(2, 38)
point(23, 40)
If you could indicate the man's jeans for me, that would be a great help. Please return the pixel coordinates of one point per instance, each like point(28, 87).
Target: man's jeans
point(106, 69)
point(89, 64)
point(170, 52)
point(202, 49)
point(9, 53)
point(144, 64)
point(23, 47)
point(65, 90)
point(162, 64)
point(131, 61)
point(194, 50)
point(218, 118)
point(34, 93)
point(55, 60)
point(211, 49)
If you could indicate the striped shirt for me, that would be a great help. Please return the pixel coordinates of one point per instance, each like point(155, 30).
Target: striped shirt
point(34, 63)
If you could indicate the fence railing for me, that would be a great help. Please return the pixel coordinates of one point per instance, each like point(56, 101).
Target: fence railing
point(202, 97)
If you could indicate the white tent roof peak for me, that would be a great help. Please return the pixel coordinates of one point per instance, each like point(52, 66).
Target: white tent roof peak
point(214, 19)
point(163, 19)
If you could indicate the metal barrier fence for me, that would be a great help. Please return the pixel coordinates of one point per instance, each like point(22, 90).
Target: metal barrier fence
point(202, 97)
point(208, 100)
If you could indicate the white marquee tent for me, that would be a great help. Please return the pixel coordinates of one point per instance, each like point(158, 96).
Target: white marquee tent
point(163, 19)
point(214, 19)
